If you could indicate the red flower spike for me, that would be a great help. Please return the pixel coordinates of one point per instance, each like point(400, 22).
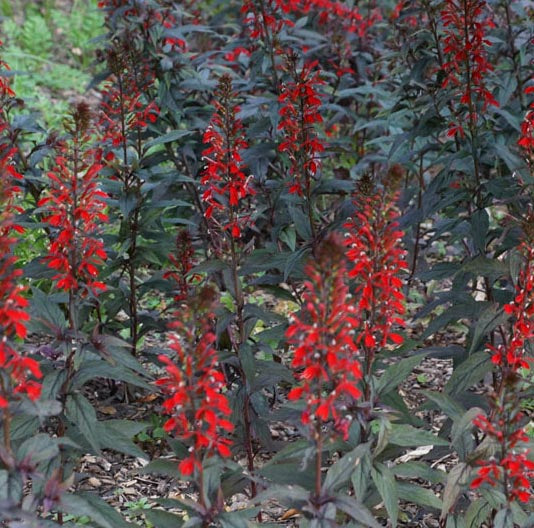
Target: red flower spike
point(18, 369)
point(125, 109)
point(225, 183)
point(377, 259)
point(73, 208)
point(300, 110)
point(323, 341)
point(465, 48)
point(526, 140)
point(194, 385)
point(511, 469)
point(333, 12)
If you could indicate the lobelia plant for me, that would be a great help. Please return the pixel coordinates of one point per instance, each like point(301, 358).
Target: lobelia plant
point(17, 370)
point(509, 470)
point(196, 402)
point(226, 189)
point(377, 262)
point(526, 141)
point(73, 209)
point(226, 185)
point(21, 459)
point(182, 261)
point(300, 105)
point(326, 358)
point(74, 212)
point(127, 109)
point(465, 68)
point(331, 95)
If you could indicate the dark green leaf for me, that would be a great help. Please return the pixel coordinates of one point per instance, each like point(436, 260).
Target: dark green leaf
point(386, 485)
point(356, 510)
point(405, 435)
point(456, 482)
point(113, 434)
point(81, 413)
point(462, 440)
point(446, 403)
point(469, 372)
point(99, 511)
point(167, 138)
point(340, 472)
point(162, 466)
point(395, 374)
point(92, 369)
point(479, 229)
point(417, 495)
point(504, 519)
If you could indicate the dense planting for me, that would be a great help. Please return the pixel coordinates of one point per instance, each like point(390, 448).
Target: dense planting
point(293, 240)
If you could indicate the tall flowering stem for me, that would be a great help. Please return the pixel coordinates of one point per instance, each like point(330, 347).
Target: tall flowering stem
point(226, 187)
point(465, 46)
point(225, 183)
point(73, 208)
point(125, 113)
point(526, 141)
point(511, 468)
point(18, 373)
point(194, 387)
point(265, 20)
point(377, 262)
point(300, 111)
point(325, 350)
point(466, 65)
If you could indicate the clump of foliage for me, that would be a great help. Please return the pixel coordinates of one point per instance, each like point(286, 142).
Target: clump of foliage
point(260, 222)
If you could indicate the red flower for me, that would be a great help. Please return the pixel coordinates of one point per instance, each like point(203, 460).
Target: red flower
point(511, 468)
point(374, 249)
point(73, 208)
point(334, 12)
point(5, 89)
point(194, 386)
point(467, 59)
point(125, 111)
point(300, 110)
point(323, 339)
point(17, 370)
point(226, 185)
point(512, 354)
point(527, 129)
point(264, 19)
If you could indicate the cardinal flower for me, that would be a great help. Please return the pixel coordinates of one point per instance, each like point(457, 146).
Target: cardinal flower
point(511, 469)
point(300, 111)
point(225, 182)
point(467, 63)
point(194, 385)
point(16, 370)
point(322, 337)
point(74, 209)
point(373, 241)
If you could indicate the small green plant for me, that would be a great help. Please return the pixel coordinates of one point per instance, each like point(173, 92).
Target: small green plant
point(422, 378)
point(154, 433)
point(83, 520)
